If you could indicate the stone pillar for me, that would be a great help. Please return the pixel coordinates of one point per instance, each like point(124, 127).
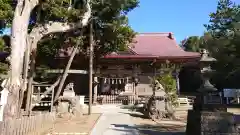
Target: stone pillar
point(95, 90)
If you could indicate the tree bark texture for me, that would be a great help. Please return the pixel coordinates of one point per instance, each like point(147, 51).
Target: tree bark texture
point(18, 45)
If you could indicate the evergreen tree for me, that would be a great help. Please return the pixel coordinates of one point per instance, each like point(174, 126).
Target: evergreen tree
point(33, 20)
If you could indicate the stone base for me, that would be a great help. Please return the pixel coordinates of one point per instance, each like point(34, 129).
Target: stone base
point(199, 105)
point(211, 123)
point(210, 107)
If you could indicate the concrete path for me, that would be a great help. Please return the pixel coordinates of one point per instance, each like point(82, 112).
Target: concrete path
point(112, 121)
point(117, 121)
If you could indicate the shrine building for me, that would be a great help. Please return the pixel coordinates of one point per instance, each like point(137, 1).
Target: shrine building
point(149, 55)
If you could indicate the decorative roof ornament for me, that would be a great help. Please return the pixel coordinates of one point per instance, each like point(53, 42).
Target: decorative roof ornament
point(205, 56)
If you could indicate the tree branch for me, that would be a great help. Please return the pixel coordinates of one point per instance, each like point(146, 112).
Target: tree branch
point(19, 8)
point(29, 5)
point(52, 27)
point(65, 73)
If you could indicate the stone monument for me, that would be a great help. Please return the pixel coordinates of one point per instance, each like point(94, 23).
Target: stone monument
point(209, 116)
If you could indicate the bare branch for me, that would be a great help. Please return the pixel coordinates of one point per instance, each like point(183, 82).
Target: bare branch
point(33, 3)
point(52, 86)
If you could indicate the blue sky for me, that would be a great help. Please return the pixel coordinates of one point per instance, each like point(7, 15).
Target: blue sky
point(182, 17)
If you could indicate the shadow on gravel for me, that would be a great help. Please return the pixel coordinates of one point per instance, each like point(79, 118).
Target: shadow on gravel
point(151, 130)
point(137, 115)
point(129, 107)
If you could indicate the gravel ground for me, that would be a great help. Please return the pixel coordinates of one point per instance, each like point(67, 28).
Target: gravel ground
point(149, 127)
point(75, 126)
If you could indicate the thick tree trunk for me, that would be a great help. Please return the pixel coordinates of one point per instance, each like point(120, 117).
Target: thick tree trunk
point(11, 108)
point(18, 45)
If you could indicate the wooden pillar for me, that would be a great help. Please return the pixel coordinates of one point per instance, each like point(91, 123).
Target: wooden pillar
point(178, 85)
point(25, 77)
point(95, 90)
point(135, 76)
point(30, 81)
point(90, 68)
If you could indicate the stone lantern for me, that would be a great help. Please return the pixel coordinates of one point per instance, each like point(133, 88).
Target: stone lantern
point(206, 72)
point(209, 116)
point(209, 97)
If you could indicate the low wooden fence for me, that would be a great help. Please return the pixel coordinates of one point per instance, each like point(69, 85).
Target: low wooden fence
point(184, 101)
point(33, 125)
point(113, 99)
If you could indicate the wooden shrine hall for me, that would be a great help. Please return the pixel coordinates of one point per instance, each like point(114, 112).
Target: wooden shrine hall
point(150, 54)
point(128, 71)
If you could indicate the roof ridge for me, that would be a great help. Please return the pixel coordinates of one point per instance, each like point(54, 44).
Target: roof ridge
point(151, 33)
point(170, 35)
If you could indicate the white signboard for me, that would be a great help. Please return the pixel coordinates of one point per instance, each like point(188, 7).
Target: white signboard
point(4, 95)
point(231, 92)
point(129, 87)
point(1, 113)
point(3, 102)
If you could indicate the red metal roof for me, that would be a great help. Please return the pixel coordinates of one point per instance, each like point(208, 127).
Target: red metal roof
point(155, 45)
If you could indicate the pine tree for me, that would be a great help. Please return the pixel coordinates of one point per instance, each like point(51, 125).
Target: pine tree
point(33, 20)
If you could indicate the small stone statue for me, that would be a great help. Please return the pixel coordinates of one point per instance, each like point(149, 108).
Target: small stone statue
point(69, 91)
point(68, 103)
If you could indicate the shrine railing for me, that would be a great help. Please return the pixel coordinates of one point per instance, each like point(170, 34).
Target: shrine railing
point(113, 99)
point(33, 125)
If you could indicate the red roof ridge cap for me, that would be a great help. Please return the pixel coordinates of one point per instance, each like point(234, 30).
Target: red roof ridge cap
point(155, 33)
